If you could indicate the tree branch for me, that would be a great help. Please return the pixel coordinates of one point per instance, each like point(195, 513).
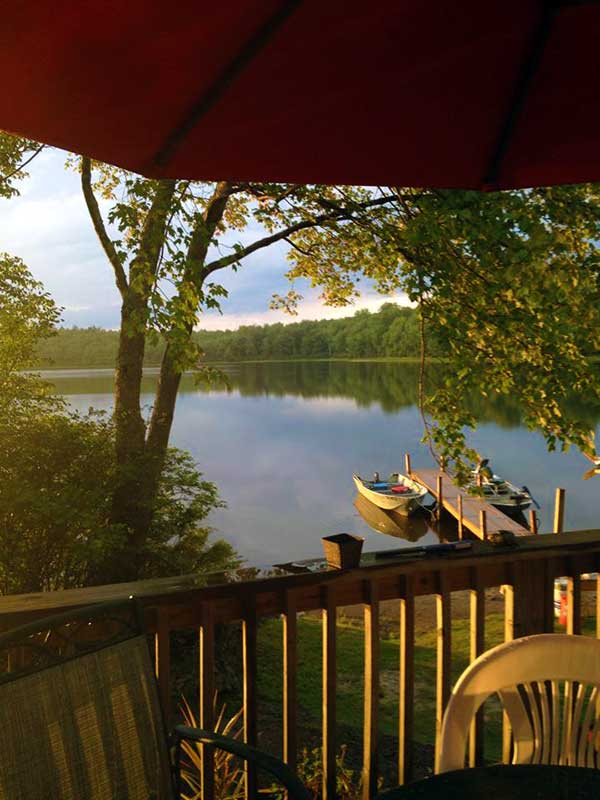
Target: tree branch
point(99, 227)
point(6, 178)
point(335, 215)
point(152, 237)
point(204, 231)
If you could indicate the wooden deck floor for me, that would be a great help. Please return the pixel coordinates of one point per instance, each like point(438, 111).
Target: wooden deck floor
point(471, 506)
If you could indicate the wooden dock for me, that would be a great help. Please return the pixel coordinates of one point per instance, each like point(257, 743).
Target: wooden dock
point(453, 498)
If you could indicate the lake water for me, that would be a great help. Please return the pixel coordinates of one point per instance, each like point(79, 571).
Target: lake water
point(282, 441)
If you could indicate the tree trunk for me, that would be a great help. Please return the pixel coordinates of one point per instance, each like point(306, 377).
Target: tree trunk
point(129, 507)
point(164, 408)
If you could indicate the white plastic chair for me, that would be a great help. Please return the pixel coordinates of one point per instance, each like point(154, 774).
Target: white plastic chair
point(549, 686)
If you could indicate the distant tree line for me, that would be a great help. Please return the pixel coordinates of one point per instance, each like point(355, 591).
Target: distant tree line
point(393, 331)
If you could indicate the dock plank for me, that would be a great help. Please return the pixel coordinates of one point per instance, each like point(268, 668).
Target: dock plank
point(496, 520)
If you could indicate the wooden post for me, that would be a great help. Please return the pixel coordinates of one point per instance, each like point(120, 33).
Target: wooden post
point(483, 524)
point(290, 682)
point(328, 617)
point(533, 521)
point(443, 658)
point(207, 695)
point(407, 467)
point(559, 510)
point(407, 679)
point(162, 656)
point(371, 693)
point(459, 505)
point(479, 480)
point(440, 496)
point(250, 698)
point(477, 646)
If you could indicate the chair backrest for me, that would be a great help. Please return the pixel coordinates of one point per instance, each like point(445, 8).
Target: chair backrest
point(79, 710)
point(549, 686)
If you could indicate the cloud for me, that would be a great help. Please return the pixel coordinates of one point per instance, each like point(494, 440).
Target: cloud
point(49, 228)
point(311, 308)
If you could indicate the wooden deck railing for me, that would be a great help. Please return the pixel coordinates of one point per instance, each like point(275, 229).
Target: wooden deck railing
point(527, 572)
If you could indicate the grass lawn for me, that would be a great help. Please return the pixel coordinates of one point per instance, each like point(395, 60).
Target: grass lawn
point(350, 643)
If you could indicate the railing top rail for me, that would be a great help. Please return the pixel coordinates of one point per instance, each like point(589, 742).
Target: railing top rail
point(185, 593)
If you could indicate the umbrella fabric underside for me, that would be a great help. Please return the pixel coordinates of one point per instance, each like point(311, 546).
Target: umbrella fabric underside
point(388, 92)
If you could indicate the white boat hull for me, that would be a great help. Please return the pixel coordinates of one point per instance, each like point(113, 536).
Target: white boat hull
point(390, 501)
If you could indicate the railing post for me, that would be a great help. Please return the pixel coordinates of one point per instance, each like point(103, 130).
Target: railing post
point(406, 688)
point(440, 495)
point(444, 651)
point(477, 646)
point(574, 598)
point(559, 510)
point(162, 661)
point(533, 521)
point(290, 679)
point(207, 694)
point(249, 635)
point(483, 524)
point(371, 692)
point(329, 691)
point(459, 509)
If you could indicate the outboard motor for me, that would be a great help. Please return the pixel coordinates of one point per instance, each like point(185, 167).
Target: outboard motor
point(375, 477)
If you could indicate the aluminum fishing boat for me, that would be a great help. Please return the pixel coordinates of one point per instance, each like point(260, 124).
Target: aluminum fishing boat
point(398, 493)
point(499, 492)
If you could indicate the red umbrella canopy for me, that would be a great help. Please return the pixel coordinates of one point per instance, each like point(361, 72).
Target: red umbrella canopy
point(494, 94)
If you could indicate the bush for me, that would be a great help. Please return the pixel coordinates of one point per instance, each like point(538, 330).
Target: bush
point(56, 481)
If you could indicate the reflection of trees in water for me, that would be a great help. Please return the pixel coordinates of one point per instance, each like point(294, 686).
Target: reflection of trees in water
point(391, 386)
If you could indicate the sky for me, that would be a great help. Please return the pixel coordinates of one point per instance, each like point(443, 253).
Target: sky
point(49, 228)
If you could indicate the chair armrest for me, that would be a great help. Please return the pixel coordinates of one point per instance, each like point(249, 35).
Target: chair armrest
point(266, 762)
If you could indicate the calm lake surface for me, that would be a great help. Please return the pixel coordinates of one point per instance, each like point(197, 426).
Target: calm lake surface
point(282, 441)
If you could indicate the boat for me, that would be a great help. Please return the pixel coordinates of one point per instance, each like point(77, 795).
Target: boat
point(499, 492)
point(398, 493)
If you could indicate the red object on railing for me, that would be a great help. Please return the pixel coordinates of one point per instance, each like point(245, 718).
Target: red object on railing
point(473, 94)
point(562, 616)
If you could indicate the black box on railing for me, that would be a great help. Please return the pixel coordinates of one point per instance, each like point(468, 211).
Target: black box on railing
point(342, 550)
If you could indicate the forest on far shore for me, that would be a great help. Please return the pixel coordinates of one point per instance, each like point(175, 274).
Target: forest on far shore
point(393, 331)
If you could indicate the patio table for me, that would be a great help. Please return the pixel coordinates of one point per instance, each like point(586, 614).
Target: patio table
point(504, 782)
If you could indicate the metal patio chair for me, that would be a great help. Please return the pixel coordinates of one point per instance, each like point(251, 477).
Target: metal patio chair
point(80, 717)
point(549, 686)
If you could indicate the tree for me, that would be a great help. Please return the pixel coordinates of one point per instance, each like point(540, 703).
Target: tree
point(509, 282)
point(57, 473)
point(27, 314)
point(15, 154)
point(165, 245)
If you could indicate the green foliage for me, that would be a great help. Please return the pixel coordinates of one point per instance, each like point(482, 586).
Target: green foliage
point(229, 772)
point(15, 154)
point(56, 479)
point(27, 315)
point(348, 782)
point(390, 332)
point(509, 281)
point(54, 488)
point(57, 473)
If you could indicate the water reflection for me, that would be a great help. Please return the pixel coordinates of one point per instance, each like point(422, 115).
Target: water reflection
point(282, 441)
point(391, 523)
